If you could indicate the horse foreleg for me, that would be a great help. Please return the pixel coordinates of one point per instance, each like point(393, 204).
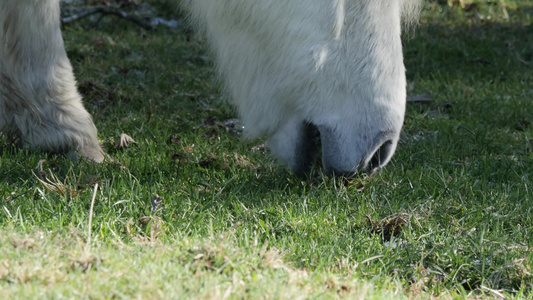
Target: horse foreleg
point(38, 95)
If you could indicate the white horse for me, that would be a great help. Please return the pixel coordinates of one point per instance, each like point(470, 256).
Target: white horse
point(291, 67)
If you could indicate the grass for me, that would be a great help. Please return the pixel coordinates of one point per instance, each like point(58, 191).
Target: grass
point(234, 223)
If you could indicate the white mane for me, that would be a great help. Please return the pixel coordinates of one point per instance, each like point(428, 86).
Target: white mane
point(411, 12)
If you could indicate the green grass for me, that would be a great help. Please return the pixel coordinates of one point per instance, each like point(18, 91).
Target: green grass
point(234, 222)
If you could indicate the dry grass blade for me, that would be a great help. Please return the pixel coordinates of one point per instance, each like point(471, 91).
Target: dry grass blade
point(496, 293)
point(124, 141)
point(88, 245)
point(53, 184)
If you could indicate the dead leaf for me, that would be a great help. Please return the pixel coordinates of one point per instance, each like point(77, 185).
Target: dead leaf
point(240, 161)
point(156, 201)
point(83, 261)
point(260, 148)
point(470, 7)
point(227, 159)
point(208, 161)
point(213, 127)
point(188, 149)
point(144, 220)
point(389, 226)
point(124, 141)
point(23, 243)
point(174, 139)
point(234, 126)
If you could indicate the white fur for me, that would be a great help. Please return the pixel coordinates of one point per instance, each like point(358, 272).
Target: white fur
point(38, 96)
point(289, 66)
point(336, 64)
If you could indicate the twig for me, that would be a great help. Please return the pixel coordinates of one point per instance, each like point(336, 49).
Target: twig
point(149, 109)
point(422, 98)
point(88, 246)
point(105, 10)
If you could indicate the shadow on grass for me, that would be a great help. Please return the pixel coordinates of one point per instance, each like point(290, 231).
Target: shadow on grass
point(472, 49)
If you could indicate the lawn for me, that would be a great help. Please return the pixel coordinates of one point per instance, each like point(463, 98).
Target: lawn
point(192, 210)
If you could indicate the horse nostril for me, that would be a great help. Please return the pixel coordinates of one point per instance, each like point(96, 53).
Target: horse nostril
point(380, 158)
